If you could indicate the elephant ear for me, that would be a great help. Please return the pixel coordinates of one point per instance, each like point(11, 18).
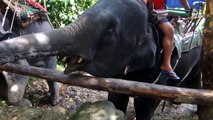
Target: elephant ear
point(143, 56)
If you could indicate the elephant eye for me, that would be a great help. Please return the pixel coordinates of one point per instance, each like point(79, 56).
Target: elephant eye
point(109, 35)
point(111, 30)
point(111, 27)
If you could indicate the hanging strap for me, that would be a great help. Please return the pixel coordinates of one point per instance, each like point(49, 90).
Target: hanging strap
point(150, 5)
point(14, 15)
point(5, 34)
point(5, 14)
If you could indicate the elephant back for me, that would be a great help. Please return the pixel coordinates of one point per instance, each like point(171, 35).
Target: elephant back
point(187, 40)
point(183, 41)
point(24, 11)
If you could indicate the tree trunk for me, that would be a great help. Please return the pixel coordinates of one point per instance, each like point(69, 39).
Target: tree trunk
point(206, 112)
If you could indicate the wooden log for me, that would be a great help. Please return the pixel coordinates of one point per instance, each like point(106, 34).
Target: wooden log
point(182, 95)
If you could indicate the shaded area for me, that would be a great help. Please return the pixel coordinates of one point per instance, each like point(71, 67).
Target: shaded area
point(73, 97)
point(32, 113)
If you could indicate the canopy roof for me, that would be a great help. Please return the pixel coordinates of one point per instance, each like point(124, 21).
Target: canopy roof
point(177, 4)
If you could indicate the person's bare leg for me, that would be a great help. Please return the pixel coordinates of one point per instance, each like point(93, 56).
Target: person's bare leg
point(167, 44)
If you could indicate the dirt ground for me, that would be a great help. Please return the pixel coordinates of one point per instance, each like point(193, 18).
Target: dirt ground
point(72, 97)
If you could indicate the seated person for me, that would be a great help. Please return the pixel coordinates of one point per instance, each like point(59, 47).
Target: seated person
point(167, 42)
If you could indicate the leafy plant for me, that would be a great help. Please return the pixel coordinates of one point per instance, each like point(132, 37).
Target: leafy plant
point(3, 103)
point(63, 12)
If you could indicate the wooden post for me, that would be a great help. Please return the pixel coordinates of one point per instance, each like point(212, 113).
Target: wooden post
point(205, 112)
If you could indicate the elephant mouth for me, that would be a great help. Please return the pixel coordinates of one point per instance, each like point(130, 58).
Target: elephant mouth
point(74, 63)
point(74, 59)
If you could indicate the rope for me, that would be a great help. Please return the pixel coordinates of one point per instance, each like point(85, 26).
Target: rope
point(45, 4)
point(5, 14)
point(14, 14)
point(150, 5)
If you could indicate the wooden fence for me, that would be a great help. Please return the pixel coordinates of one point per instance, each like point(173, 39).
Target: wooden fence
point(182, 95)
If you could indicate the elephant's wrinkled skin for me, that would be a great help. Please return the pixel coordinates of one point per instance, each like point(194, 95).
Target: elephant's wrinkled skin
point(10, 81)
point(114, 37)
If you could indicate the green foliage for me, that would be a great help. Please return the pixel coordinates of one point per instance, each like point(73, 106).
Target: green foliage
point(3, 103)
point(60, 66)
point(63, 12)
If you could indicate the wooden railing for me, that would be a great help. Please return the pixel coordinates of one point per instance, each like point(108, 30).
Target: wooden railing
point(181, 95)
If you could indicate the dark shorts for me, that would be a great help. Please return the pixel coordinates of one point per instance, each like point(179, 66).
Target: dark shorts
point(163, 20)
point(157, 19)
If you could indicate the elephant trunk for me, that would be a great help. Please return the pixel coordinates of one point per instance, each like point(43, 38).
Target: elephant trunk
point(70, 40)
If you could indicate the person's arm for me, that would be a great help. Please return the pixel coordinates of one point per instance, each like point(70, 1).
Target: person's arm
point(185, 4)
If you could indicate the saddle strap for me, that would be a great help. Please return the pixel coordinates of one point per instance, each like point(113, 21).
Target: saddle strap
point(25, 13)
point(26, 21)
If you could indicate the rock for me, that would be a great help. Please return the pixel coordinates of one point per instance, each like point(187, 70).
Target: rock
point(100, 110)
point(25, 102)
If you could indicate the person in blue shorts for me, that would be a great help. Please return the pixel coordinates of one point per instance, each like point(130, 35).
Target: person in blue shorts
point(167, 42)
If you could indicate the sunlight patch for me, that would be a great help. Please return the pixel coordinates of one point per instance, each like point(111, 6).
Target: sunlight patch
point(14, 88)
point(41, 38)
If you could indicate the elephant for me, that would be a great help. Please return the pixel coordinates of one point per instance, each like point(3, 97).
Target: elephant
point(12, 85)
point(113, 38)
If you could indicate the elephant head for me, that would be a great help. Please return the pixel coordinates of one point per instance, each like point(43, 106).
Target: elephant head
point(106, 38)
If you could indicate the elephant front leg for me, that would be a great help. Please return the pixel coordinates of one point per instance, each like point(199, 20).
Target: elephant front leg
point(119, 100)
point(51, 63)
point(54, 91)
point(16, 85)
point(3, 87)
point(145, 107)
